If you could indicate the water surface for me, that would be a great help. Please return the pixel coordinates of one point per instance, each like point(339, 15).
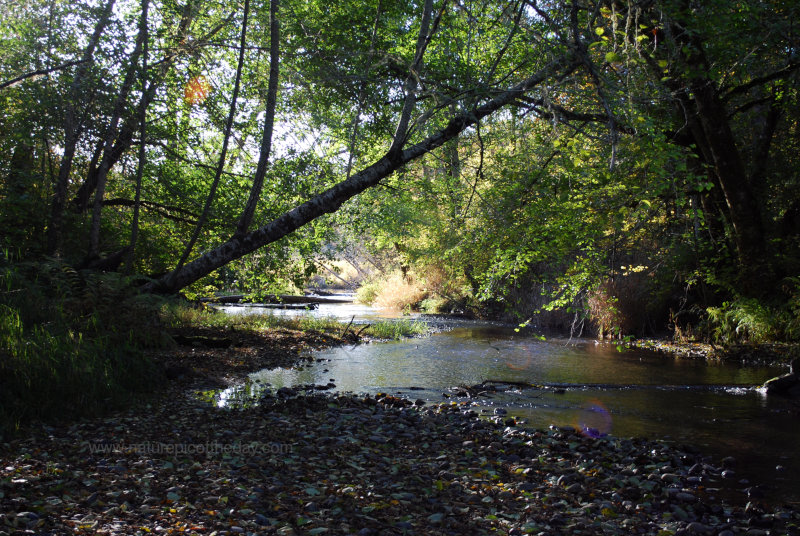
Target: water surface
point(580, 383)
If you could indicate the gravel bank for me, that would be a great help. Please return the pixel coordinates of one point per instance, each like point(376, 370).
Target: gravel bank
point(324, 464)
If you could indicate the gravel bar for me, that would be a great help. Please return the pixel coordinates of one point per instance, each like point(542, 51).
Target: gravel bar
point(365, 465)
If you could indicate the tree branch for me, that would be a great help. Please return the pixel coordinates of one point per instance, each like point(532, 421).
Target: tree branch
point(760, 80)
point(331, 199)
point(40, 72)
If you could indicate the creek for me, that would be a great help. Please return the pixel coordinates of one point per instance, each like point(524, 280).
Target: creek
point(580, 383)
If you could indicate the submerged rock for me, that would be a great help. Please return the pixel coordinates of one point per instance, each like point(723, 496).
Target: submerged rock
point(787, 384)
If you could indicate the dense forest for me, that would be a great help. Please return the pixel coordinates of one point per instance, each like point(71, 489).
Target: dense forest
point(615, 167)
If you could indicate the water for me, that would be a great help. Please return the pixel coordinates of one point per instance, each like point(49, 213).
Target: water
point(713, 406)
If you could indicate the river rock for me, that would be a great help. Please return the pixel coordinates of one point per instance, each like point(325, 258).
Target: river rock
point(787, 384)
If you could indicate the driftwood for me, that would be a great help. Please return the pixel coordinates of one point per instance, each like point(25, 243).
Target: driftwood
point(199, 340)
point(486, 387)
point(524, 385)
point(278, 299)
point(300, 306)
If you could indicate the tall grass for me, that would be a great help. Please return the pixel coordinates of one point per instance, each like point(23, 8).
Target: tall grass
point(71, 343)
point(393, 291)
point(396, 329)
point(177, 316)
point(180, 316)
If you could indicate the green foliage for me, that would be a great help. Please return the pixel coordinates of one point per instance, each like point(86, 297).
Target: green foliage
point(753, 320)
point(179, 315)
point(368, 292)
point(535, 211)
point(744, 319)
point(71, 342)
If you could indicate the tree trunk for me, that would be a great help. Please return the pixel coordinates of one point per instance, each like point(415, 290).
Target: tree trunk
point(331, 199)
point(111, 135)
point(269, 122)
point(225, 140)
point(142, 145)
point(730, 170)
point(71, 135)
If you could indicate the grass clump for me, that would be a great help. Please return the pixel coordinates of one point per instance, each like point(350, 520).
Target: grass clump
point(396, 329)
point(183, 316)
point(71, 343)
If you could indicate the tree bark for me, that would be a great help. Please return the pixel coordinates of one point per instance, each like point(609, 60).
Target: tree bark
point(137, 201)
point(71, 135)
point(730, 170)
point(111, 135)
point(269, 122)
point(331, 199)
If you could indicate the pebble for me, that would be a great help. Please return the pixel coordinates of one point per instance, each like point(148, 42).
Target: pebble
point(371, 460)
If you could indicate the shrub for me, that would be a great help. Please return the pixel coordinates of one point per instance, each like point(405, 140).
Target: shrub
point(399, 293)
point(367, 293)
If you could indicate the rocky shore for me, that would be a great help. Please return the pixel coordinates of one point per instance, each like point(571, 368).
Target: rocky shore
point(323, 464)
point(747, 354)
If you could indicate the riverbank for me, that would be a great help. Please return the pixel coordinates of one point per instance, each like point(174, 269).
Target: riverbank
point(746, 354)
point(359, 465)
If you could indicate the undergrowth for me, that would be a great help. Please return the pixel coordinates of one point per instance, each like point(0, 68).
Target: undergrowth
point(394, 291)
point(74, 343)
point(71, 343)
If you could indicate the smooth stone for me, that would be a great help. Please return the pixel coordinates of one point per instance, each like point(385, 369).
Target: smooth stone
point(680, 513)
point(697, 528)
point(436, 518)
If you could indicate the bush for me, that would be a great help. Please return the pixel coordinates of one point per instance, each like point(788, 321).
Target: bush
point(399, 293)
point(622, 306)
point(367, 293)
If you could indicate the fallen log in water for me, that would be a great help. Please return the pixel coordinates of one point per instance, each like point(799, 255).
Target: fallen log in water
point(278, 299)
point(301, 306)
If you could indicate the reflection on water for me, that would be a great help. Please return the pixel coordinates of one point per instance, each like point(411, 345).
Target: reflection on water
point(579, 383)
